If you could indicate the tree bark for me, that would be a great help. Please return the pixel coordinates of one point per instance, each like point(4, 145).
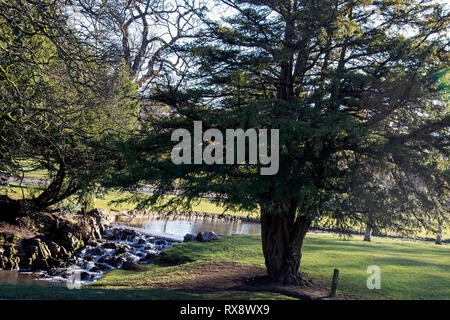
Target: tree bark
point(440, 231)
point(368, 232)
point(282, 239)
point(53, 193)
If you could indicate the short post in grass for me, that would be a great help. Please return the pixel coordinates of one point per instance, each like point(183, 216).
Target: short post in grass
point(334, 283)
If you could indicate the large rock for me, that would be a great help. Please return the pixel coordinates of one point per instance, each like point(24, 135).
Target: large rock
point(207, 236)
point(114, 261)
point(35, 254)
point(92, 227)
point(40, 255)
point(3, 261)
point(40, 264)
point(123, 249)
point(54, 262)
point(150, 256)
point(189, 237)
point(57, 251)
point(71, 243)
point(130, 265)
point(128, 235)
point(100, 267)
point(118, 261)
point(35, 248)
point(97, 251)
point(86, 276)
point(74, 233)
point(8, 257)
point(110, 245)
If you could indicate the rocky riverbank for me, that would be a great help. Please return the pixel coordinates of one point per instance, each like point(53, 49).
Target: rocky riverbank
point(47, 240)
point(81, 247)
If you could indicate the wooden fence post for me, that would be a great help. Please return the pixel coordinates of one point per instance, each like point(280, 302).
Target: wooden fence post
point(334, 283)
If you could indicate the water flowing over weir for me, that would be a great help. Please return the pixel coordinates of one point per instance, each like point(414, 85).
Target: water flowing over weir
point(177, 228)
point(119, 248)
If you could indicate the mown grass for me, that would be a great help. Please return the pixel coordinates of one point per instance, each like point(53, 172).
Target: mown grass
point(409, 270)
point(87, 293)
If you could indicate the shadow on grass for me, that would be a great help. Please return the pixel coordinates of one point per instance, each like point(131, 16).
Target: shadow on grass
point(405, 262)
point(352, 245)
point(62, 293)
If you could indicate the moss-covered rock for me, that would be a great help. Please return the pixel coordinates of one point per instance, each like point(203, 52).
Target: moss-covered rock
point(8, 257)
point(57, 239)
point(7, 237)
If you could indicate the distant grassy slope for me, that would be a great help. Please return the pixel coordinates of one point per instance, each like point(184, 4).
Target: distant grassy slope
point(30, 170)
point(203, 205)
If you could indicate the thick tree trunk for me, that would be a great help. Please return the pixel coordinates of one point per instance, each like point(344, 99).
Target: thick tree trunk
point(282, 240)
point(53, 193)
point(13, 208)
point(440, 231)
point(368, 232)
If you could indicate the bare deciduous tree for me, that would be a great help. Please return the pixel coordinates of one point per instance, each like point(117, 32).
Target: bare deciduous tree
point(144, 32)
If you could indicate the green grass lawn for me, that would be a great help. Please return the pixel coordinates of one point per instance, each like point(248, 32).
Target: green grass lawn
point(409, 270)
